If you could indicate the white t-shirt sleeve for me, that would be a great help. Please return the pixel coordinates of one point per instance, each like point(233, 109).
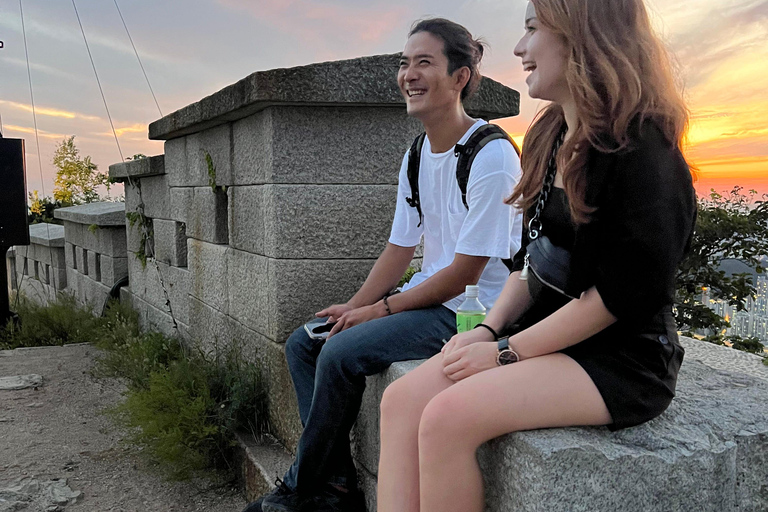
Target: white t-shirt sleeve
point(406, 231)
point(488, 228)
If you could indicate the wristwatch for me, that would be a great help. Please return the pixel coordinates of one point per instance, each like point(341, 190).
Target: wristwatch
point(506, 354)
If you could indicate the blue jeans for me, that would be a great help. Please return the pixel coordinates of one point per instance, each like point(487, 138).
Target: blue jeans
point(329, 379)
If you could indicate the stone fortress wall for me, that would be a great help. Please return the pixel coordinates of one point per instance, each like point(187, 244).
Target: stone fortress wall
point(272, 200)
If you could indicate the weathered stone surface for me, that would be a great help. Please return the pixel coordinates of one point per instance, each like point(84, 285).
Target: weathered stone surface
point(48, 235)
point(74, 233)
point(107, 240)
point(303, 287)
point(146, 284)
point(259, 463)
point(182, 203)
point(86, 290)
point(365, 80)
point(155, 193)
point(82, 260)
point(176, 161)
point(101, 214)
point(252, 142)
point(216, 142)
point(208, 272)
point(329, 221)
point(16, 382)
point(207, 221)
point(706, 452)
point(312, 221)
point(250, 296)
point(112, 269)
point(94, 266)
point(154, 319)
point(247, 218)
point(139, 168)
point(69, 255)
point(170, 242)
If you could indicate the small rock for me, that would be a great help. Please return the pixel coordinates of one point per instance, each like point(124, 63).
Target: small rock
point(17, 382)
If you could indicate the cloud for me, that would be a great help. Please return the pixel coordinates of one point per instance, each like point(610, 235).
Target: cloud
point(134, 128)
point(51, 112)
point(41, 133)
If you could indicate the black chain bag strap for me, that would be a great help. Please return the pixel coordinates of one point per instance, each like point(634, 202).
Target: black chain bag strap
point(549, 264)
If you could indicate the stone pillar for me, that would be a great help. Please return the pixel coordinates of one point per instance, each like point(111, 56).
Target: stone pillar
point(94, 250)
point(283, 185)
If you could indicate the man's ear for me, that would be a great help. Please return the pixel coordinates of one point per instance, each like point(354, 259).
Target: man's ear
point(461, 77)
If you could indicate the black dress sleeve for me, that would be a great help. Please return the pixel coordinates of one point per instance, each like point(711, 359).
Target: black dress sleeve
point(646, 222)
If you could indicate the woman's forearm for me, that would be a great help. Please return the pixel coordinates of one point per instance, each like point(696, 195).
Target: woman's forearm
point(574, 322)
point(513, 301)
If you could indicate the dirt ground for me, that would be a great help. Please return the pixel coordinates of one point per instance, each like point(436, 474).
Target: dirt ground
point(57, 431)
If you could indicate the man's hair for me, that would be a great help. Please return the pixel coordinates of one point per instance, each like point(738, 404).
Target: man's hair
point(459, 47)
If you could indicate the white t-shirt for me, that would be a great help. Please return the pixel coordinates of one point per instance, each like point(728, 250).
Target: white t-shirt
point(489, 228)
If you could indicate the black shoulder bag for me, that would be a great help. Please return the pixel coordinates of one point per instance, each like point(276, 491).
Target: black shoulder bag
point(549, 264)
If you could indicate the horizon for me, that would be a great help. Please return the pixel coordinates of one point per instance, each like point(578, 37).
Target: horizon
point(725, 75)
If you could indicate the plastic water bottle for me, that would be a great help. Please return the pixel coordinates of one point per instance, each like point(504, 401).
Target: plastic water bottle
point(471, 312)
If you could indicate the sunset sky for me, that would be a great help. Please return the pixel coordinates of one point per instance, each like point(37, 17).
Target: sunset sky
point(193, 48)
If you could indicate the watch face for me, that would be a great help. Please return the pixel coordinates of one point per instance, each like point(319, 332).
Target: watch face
point(507, 357)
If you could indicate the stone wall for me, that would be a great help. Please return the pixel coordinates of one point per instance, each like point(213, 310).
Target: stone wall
point(272, 200)
point(39, 268)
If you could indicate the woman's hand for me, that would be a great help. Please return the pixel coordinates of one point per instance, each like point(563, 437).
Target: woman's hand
point(470, 359)
point(466, 338)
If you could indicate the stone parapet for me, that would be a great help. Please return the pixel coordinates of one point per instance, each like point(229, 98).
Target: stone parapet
point(39, 269)
point(368, 81)
point(138, 168)
point(708, 452)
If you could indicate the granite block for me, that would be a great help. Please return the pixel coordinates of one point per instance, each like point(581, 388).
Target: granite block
point(216, 142)
point(109, 240)
point(70, 257)
point(182, 203)
point(58, 278)
point(82, 260)
point(208, 273)
point(137, 169)
point(102, 214)
point(113, 269)
point(208, 218)
point(354, 220)
point(247, 218)
point(341, 145)
point(250, 296)
point(253, 149)
point(74, 233)
point(176, 161)
point(303, 287)
point(94, 266)
point(133, 200)
point(170, 242)
point(155, 193)
point(46, 234)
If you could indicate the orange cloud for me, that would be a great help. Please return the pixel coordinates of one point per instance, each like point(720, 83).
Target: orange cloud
point(40, 133)
point(51, 112)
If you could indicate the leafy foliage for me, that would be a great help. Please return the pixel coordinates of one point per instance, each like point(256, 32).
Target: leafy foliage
point(729, 226)
point(60, 322)
point(41, 209)
point(77, 178)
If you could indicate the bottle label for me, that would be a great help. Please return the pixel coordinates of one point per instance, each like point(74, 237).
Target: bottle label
point(466, 322)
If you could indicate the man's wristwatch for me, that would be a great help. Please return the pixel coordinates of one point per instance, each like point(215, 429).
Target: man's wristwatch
point(506, 355)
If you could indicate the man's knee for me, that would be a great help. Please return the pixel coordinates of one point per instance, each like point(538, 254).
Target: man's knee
point(298, 345)
point(340, 355)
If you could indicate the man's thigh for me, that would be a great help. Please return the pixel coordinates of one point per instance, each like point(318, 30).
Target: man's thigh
point(370, 347)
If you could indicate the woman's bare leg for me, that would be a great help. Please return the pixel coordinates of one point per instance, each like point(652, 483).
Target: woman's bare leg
point(401, 408)
point(546, 391)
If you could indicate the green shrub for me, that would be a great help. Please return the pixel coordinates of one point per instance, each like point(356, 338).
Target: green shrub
point(62, 321)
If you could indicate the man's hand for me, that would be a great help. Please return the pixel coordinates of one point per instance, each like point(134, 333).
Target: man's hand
point(469, 360)
point(334, 312)
point(465, 339)
point(358, 316)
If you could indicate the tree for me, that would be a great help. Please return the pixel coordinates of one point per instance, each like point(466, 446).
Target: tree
point(77, 179)
point(41, 209)
point(732, 225)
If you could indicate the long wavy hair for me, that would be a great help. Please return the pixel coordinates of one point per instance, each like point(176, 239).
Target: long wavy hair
point(618, 72)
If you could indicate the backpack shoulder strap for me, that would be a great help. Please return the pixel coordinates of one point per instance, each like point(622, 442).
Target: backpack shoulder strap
point(414, 162)
point(467, 153)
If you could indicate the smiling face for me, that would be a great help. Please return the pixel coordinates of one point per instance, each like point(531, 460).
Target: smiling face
point(545, 57)
point(423, 77)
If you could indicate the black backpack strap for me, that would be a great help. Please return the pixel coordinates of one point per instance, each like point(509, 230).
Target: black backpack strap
point(467, 153)
point(414, 162)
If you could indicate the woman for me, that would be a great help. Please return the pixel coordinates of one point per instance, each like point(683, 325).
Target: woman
point(620, 203)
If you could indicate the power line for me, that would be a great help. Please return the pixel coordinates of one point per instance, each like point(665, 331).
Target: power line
point(137, 58)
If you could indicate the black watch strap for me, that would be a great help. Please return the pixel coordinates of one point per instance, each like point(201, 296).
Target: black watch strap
point(495, 334)
point(503, 343)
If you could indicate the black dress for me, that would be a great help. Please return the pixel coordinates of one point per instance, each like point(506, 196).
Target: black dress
point(634, 362)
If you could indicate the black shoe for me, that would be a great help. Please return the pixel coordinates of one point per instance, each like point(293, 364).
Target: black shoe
point(281, 489)
point(331, 500)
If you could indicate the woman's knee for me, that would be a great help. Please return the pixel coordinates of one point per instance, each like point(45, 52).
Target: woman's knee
point(445, 422)
point(396, 404)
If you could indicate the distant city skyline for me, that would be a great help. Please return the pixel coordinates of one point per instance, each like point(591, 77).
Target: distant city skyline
point(193, 48)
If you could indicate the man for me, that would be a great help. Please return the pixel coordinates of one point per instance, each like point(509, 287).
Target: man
point(462, 245)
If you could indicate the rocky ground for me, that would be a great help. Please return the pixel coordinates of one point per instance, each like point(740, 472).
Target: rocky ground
point(58, 452)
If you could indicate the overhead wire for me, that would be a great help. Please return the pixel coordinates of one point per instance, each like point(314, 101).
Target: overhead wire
point(39, 158)
point(122, 159)
point(138, 58)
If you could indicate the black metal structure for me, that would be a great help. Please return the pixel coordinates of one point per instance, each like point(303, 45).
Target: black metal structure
point(14, 227)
